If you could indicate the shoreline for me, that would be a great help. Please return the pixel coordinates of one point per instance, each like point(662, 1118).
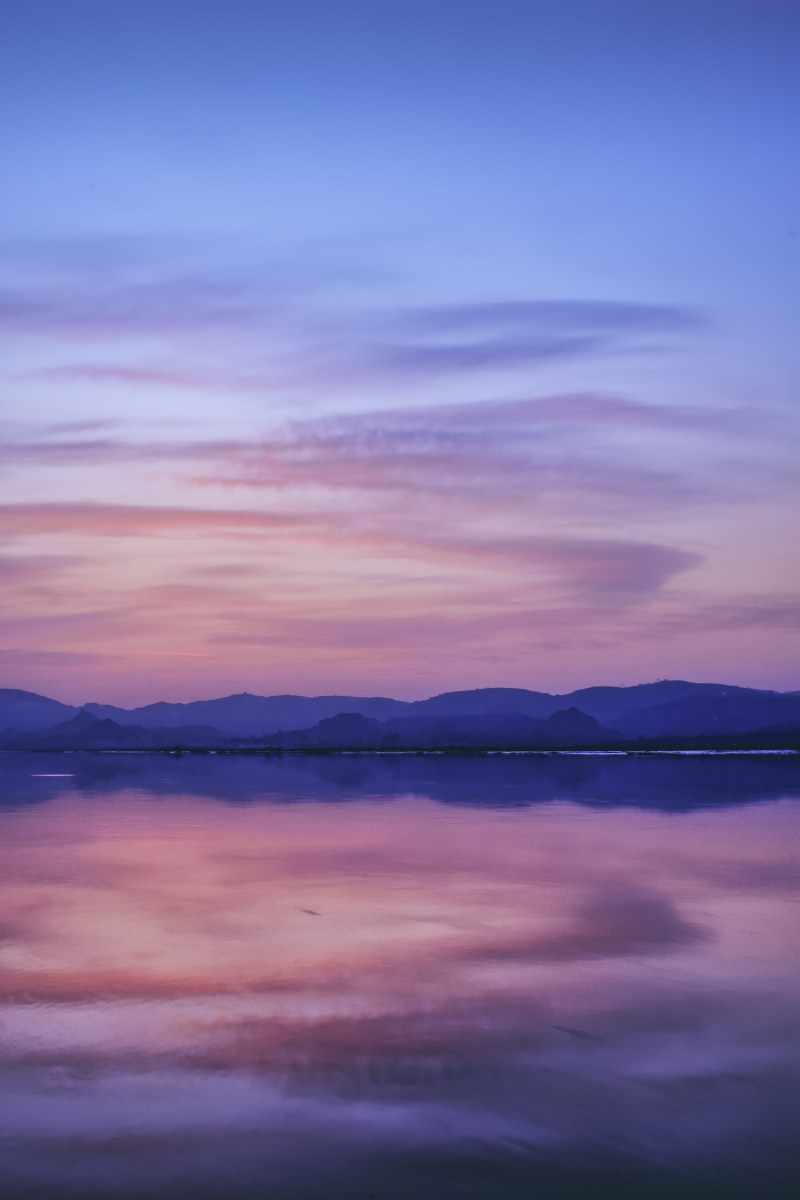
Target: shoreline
point(428, 751)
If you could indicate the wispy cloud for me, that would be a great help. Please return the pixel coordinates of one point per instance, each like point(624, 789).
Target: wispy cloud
point(410, 434)
point(576, 450)
point(104, 289)
point(514, 332)
point(74, 452)
point(476, 354)
point(543, 316)
point(281, 318)
point(120, 520)
point(768, 610)
point(31, 568)
point(25, 658)
point(603, 566)
point(506, 452)
point(137, 376)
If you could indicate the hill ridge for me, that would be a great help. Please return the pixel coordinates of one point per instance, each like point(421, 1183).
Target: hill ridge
point(660, 709)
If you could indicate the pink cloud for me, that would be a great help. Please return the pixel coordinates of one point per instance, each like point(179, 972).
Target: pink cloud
point(33, 568)
point(488, 453)
point(121, 520)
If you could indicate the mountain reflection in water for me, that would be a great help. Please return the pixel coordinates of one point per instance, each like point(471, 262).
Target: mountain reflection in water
point(469, 977)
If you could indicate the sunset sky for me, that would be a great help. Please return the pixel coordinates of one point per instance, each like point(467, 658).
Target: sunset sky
point(389, 347)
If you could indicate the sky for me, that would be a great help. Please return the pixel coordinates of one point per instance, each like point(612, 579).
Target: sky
point(393, 348)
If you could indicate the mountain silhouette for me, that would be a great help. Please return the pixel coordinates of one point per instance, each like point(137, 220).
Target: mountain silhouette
point(88, 732)
point(27, 710)
point(667, 712)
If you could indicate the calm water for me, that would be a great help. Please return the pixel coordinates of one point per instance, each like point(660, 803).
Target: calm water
point(433, 977)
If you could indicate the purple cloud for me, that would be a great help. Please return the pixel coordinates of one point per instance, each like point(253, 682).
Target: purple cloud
point(550, 316)
point(482, 453)
point(495, 452)
point(130, 520)
point(483, 353)
point(32, 568)
point(101, 296)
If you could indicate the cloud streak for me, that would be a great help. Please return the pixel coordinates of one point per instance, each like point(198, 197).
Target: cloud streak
point(504, 451)
point(121, 520)
point(509, 333)
point(106, 296)
point(380, 444)
point(578, 316)
point(603, 567)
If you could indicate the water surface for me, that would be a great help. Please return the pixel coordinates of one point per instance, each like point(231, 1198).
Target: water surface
point(429, 976)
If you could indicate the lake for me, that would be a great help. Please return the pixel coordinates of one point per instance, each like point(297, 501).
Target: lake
point(378, 977)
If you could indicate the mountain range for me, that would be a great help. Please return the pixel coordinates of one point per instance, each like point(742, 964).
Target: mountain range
point(669, 712)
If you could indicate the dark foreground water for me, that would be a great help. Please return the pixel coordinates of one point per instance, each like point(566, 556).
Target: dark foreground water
point(399, 977)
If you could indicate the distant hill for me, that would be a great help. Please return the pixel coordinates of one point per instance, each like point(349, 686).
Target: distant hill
point(247, 715)
point(26, 710)
point(736, 711)
point(482, 701)
point(87, 732)
point(490, 730)
point(250, 716)
point(669, 709)
point(615, 704)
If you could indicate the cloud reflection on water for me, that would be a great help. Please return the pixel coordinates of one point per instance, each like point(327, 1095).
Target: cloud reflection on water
point(396, 996)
